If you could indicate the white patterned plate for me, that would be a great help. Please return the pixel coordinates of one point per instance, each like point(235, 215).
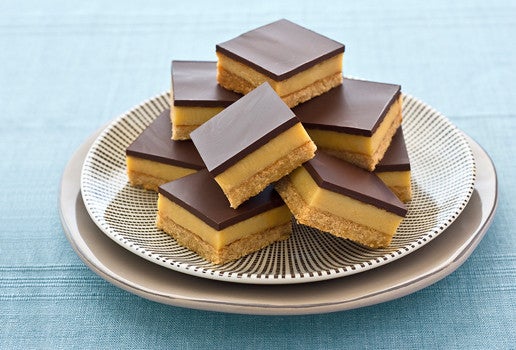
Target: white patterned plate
point(443, 177)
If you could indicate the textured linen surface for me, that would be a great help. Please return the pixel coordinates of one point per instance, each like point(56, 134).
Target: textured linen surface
point(67, 68)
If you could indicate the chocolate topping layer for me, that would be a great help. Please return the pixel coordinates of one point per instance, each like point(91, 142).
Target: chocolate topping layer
point(355, 107)
point(396, 157)
point(155, 143)
point(201, 195)
point(242, 128)
point(342, 177)
point(194, 84)
point(280, 49)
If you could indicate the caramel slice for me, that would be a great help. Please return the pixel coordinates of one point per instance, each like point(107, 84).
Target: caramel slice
point(252, 143)
point(298, 63)
point(355, 121)
point(394, 168)
point(154, 159)
point(337, 197)
point(196, 96)
point(196, 213)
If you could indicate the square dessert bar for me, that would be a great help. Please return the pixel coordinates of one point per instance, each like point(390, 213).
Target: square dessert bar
point(195, 96)
point(195, 211)
point(335, 196)
point(394, 168)
point(298, 63)
point(252, 143)
point(153, 158)
point(355, 121)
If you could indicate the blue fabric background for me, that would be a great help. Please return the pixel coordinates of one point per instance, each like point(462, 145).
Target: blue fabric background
point(66, 68)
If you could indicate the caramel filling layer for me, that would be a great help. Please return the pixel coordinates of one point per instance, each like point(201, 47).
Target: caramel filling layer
point(219, 239)
point(277, 148)
point(166, 172)
point(343, 206)
point(285, 87)
point(340, 141)
point(187, 119)
point(182, 115)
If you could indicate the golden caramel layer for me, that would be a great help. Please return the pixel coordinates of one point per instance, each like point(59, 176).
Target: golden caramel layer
point(267, 164)
point(150, 174)
point(183, 115)
point(187, 119)
point(219, 239)
point(236, 76)
point(363, 151)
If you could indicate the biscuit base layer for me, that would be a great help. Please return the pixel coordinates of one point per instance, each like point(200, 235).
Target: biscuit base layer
point(329, 222)
point(275, 171)
point(238, 84)
point(145, 181)
point(364, 161)
point(182, 132)
point(230, 252)
point(404, 193)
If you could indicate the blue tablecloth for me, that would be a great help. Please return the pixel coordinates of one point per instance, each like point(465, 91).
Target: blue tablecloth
point(67, 68)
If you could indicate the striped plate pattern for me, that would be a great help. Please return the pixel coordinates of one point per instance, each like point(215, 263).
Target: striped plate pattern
point(443, 177)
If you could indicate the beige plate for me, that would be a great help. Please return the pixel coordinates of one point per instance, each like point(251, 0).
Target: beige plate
point(411, 273)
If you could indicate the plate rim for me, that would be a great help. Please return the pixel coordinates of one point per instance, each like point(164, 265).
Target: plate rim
point(250, 278)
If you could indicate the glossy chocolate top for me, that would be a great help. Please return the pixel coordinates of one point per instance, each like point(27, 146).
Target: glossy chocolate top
point(396, 157)
point(355, 107)
point(155, 144)
point(242, 128)
point(280, 49)
point(347, 179)
point(194, 84)
point(201, 195)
